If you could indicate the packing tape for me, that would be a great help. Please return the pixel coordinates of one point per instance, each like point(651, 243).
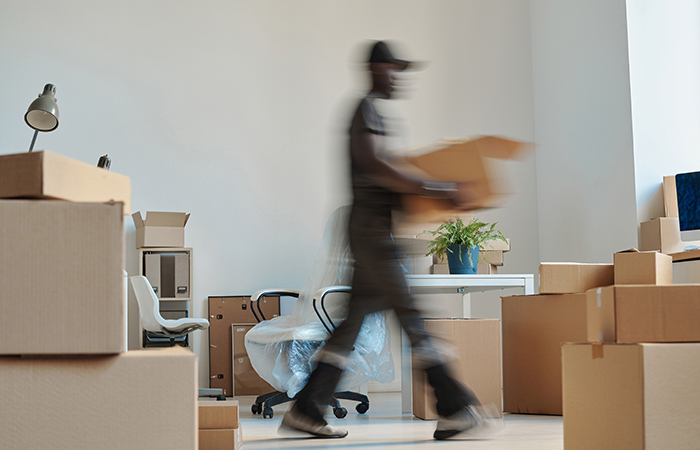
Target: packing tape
point(597, 351)
point(599, 291)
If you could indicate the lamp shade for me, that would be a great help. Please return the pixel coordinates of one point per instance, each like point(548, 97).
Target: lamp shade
point(42, 114)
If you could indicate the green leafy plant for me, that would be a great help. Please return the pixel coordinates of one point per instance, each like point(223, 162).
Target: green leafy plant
point(456, 232)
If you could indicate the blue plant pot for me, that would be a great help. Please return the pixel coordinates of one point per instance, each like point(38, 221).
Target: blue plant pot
point(464, 266)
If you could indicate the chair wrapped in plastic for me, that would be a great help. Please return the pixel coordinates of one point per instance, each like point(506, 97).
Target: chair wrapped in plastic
point(284, 350)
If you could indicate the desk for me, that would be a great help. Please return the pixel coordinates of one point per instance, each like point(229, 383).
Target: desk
point(453, 284)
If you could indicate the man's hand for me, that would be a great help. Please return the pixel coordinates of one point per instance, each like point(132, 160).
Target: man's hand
point(466, 197)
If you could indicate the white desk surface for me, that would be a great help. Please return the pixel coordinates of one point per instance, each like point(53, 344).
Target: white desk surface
point(464, 284)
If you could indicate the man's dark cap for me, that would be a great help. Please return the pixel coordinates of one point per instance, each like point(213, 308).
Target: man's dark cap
point(382, 54)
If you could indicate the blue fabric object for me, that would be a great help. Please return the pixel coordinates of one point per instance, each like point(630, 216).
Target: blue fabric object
point(688, 193)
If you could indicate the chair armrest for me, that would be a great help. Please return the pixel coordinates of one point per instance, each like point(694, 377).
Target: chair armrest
point(321, 295)
point(254, 299)
point(273, 293)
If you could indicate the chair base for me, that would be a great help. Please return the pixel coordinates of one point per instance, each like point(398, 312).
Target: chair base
point(212, 392)
point(264, 403)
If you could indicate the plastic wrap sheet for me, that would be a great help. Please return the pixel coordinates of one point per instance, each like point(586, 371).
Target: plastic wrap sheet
point(283, 350)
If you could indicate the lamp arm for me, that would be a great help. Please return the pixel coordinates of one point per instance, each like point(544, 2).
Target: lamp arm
point(31, 147)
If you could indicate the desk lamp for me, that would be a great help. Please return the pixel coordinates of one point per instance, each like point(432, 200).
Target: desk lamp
point(42, 114)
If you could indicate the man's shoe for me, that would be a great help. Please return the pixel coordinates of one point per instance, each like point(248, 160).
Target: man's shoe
point(465, 423)
point(296, 420)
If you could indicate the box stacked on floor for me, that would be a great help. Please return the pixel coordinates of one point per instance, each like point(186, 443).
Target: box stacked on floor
point(65, 375)
point(219, 427)
point(634, 384)
point(535, 326)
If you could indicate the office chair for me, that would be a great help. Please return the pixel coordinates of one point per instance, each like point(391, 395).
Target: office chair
point(153, 322)
point(283, 350)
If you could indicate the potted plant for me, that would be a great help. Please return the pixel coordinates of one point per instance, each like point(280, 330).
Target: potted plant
point(461, 243)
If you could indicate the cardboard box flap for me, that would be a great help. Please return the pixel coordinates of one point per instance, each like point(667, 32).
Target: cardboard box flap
point(138, 221)
point(439, 160)
point(494, 146)
point(161, 219)
point(629, 250)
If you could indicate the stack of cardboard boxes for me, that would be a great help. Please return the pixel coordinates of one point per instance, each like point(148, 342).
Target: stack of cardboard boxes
point(219, 427)
point(65, 376)
point(612, 347)
point(634, 383)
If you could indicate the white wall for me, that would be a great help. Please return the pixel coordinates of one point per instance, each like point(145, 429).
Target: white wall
point(233, 111)
point(664, 43)
point(583, 130)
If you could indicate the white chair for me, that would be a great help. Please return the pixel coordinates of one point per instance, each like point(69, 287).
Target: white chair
point(153, 322)
point(283, 350)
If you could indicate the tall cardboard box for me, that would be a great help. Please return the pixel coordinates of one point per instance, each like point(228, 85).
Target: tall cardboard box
point(627, 313)
point(477, 363)
point(635, 267)
point(631, 396)
point(219, 427)
point(143, 399)
point(574, 278)
point(62, 278)
point(534, 327)
point(223, 312)
point(160, 229)
point(48, 175)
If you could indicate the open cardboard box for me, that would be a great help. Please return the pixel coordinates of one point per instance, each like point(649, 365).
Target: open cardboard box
point(482, 162)
point(160, 229)
point(48, 175)
point(635, 267)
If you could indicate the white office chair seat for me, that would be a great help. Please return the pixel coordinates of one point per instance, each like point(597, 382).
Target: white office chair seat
point(186, 323)
point(281, 329)
point(149, 312)
point(154, 322)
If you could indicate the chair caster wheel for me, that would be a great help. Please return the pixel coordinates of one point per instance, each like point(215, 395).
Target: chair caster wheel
point(340, 412)
point(362, 407)
point(256, 408)
point(267, 413)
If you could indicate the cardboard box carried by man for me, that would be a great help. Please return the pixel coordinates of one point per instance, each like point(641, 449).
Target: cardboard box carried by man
point(480, 163)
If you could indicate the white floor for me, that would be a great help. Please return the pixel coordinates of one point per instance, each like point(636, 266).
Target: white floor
point(384, 426)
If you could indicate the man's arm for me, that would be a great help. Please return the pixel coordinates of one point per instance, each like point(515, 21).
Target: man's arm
point(365, 152)
point(364, 149)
